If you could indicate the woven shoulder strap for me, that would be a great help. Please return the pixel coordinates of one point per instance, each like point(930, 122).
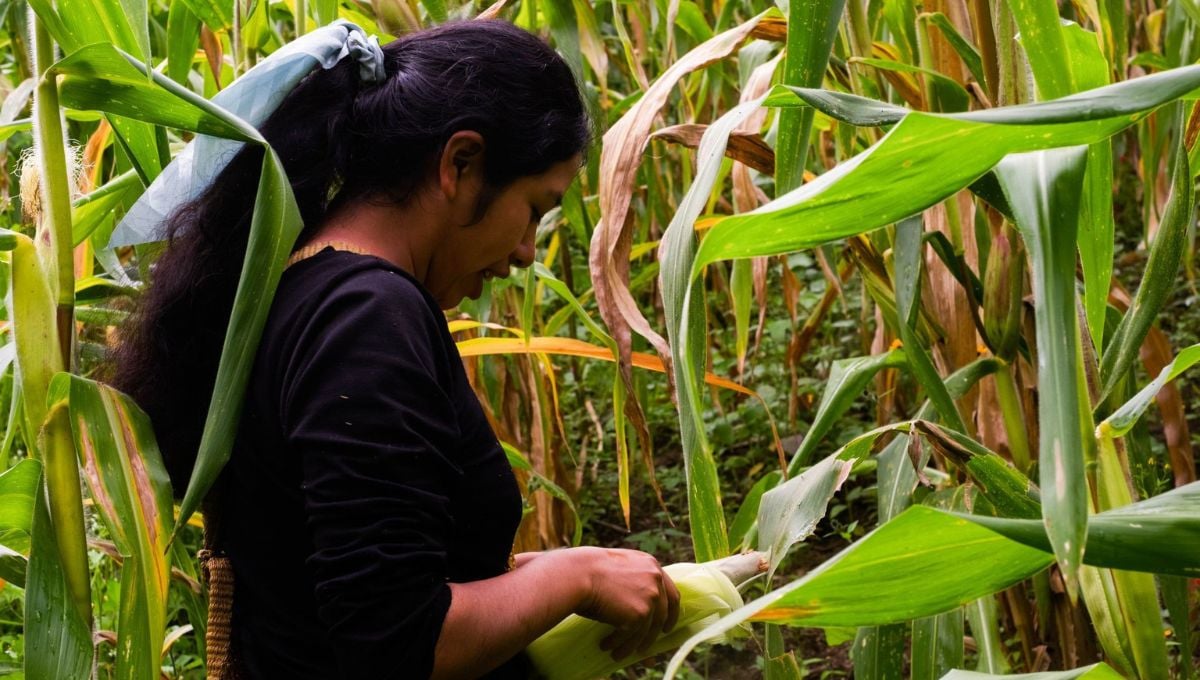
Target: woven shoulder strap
point(217, 571)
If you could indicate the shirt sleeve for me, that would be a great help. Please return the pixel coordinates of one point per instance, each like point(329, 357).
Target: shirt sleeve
point(364, 407)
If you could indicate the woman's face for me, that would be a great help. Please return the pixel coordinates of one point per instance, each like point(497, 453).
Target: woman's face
point(469, 255)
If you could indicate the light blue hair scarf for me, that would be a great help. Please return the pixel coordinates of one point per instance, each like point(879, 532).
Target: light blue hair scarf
point(253, 98)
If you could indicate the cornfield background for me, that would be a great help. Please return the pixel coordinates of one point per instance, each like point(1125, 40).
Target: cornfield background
point(898, 292)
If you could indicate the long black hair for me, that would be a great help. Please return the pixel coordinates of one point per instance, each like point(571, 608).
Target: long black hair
point(340, 141)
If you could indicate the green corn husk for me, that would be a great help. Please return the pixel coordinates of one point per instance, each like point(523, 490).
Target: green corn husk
point(707, 591)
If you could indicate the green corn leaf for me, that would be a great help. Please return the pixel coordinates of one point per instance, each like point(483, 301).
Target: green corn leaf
point(812, 25)
point(878, 652)
point(789, 513)
point(326, 11)
point(1044, 190)
point(1175, 595)
point(274, 227)
point(1045, 45)
point(985, 629)
point(847, 380)
point(937, 644)
point(1097, 671)
point(966, 51)
point(1158, 535)
point(928, 561)
point(96, 208)
point(132, 493)
point(1010, 492)
point(215, 14)
point(676, 251)
point(518, 461)
point(741, 289)
point(101, 77)
point(58, 640)
point(745, 519)
point(950, 95)
point(18, 484)
point(1158, 280)
point(1123, 419)
point(908, 257)
point(925, 159)
point(922, 563)
point(1095, 237)
point(564, 27)
point(183, 37)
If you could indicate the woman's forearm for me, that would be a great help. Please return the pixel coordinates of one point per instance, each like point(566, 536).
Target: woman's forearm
point(490, 621)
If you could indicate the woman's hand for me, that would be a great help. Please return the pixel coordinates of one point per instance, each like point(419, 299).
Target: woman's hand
point(629, 590)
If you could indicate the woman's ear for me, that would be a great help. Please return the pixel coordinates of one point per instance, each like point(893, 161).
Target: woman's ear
point(460, 168)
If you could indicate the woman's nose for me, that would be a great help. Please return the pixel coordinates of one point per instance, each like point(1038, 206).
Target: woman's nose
point(523, 254)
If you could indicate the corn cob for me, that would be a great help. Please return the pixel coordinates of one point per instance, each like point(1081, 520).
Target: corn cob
point(708, 591)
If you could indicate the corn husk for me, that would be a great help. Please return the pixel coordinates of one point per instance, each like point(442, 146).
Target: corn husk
point(571, 650)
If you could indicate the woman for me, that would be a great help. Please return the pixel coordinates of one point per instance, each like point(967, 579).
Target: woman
point(367, 508)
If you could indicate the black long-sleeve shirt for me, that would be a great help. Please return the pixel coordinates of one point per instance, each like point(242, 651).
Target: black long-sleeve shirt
point(364, 479)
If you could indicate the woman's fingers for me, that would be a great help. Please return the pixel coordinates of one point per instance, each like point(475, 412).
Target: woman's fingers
point(661, 611)
point(672, 604)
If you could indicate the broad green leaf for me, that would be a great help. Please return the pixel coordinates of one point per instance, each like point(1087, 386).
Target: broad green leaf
point(102, 78)
point(878, 652)
point(925, 159)
point(327, 11)
point(1095, 237)
point(92, 210)
point(1044, 189)
point(13, 566)
point(132, 493)
point(848, 378)
point(58, 640)
point(966, 51)
point(1097, 671)
point(1159, 535)
point(1176, 597)
point(741, 288)
point(951, 97)
point(560, 14)
point(1158, 280)
point(18, 484)
point(985, 629)
point(789, 513)
point(1123, 419)
point(518, 461)
point(937, 644)
point(274, 227)
point(909, 251)
point(812, 25)
point(1045, 45)
point(675, 252)
point(747, 512)
point(217, 15)
point(922, 563)
point(436, 9)
point(1010, 492)
point(183, 37)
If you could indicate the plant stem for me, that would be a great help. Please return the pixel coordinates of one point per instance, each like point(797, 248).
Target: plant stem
point(56, 191)
point(1014, 418)
point(58, 449)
